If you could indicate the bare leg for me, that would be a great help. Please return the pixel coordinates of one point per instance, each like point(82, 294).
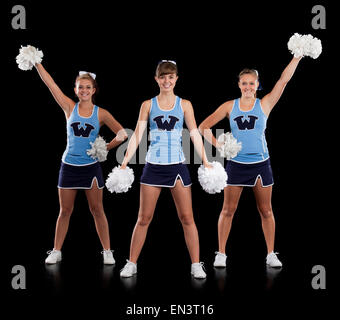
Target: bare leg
point(231, 198)
point(182, 199)
point(263, 200)
point(66, 201)
point(148, 199)
point(95, 201)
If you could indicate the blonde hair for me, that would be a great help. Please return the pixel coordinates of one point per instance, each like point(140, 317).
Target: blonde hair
point(248, 71)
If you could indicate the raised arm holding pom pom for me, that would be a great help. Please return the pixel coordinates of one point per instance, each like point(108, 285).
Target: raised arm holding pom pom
point(251, 166)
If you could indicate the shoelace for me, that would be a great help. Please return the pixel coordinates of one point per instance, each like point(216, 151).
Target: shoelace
point(201, 265)
point(275, 253)
point(128, 265)
point(51, 251)
point(106, 251)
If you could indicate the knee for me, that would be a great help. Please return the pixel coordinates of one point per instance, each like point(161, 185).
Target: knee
point(144, 220)
point(186, 219)
point(96, 210)
point(228, 211)
point(265, 211)
point(65, 211)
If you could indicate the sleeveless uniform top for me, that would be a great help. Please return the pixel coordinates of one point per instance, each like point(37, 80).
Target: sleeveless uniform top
point(80, 132)
point(165, 134)
point(249, 128)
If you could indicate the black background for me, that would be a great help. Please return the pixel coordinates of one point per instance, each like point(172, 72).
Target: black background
point(122, 44)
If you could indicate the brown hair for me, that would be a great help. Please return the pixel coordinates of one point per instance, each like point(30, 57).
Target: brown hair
point(87, 76)
point(166, 67)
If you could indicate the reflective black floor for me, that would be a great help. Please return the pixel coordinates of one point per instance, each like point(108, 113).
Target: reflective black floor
point(245, 288)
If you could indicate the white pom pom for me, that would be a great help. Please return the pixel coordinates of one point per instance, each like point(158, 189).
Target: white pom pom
point(313, 47)
point(98, 149)
point(28, 57)
point(120, 180)
point(229, 145)
point(213, 179)
point(304, 45)
point(295, 45)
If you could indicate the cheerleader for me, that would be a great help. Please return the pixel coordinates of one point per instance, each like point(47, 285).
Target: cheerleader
point(165, 167)
point(78, 169)
point(251, 167)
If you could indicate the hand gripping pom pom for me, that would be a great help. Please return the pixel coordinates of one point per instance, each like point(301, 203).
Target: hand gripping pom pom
point(99, 150)
point(304, 45)
point(120, 180)
point(28, 57)
point(212, 180)
point(229, 145)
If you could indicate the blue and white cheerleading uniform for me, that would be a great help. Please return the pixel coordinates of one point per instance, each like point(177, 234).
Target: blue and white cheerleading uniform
point(252, 162)
point(165, 157)
point(78, 170)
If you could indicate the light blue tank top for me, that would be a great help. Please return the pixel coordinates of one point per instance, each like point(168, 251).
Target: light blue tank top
point(80, 132)
point(165, 134)
point(249, 128)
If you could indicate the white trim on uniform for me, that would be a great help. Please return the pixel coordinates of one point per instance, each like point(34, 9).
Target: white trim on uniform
point(250, 162)
point(264, 144)
point(166, 109)
point(180, 104)
point(239, 106)
point(262, 110)
point(94, 107)
point(232, 109)
point(165, 164)
point(151, 103)
point(78, 165)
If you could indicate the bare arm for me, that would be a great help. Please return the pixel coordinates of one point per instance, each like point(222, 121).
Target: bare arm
point(195, 136)
point(64, 102)
point(269, 101)
point(138, 133)
point(107, 119)
point(221, 112)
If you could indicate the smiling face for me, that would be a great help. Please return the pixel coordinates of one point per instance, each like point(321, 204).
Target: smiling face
point(166, 82)
point(84, 89)
point(248, 85)
point(166, 75)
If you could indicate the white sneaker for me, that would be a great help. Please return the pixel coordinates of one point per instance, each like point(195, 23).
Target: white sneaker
point(54, 256)
point(272, 260)
point(129, 269)
point(108, 257)
point(220, 260)
point(197, 270)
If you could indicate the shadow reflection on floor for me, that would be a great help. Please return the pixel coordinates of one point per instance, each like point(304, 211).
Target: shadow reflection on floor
point(58, 278)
